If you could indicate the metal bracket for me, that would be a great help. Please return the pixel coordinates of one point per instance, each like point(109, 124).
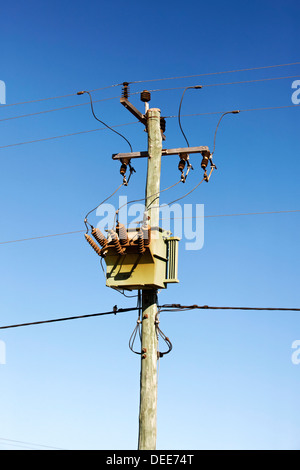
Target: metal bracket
point(176, 151)
point(136, 113)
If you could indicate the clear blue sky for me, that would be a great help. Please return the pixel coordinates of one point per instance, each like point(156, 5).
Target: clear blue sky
point(229, 382)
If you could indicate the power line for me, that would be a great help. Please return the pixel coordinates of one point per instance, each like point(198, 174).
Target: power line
point(153, 80)
point(136, 93)
point(42, 236)
point(224, 84)
point(113, 312)
point(54, 97)
point(173, 218)
point(131, 123)
point(238, 215)
point(217, 73)
point(162, 308)
point(268, 108)
point(12, 442)
point(62, 136)
point(56, 109)
point(178, 307)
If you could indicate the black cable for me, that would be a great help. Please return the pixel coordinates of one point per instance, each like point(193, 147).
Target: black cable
point(163, 308)
point(178, 307)
point(113, 312)
point(159, 333)
point(143, 199)
point(92, 210)
point(92, 108)
point(187, 88)
point(224, 114)
point(137, 329)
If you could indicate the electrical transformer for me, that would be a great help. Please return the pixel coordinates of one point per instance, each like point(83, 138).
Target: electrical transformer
point(141, 258)
point(145, 263)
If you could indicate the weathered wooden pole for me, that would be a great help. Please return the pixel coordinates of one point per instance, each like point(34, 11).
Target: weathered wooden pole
point(148, 379)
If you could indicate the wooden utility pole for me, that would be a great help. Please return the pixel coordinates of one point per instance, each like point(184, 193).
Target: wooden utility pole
point(148, 379)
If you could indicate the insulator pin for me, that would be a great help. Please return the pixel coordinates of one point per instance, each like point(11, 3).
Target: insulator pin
point(146, 233)
point(116, 242)
point(93, 244)
point(141, 245)
point(205, 161)
point(125, 90)
point(181, 164)
point(122, 232)
point(145, 96)
point(98, 235)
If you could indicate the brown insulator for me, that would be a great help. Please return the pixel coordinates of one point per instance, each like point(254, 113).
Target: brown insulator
point(205, 161)
point(141, 245)
point(181, 164)
point(146, 230)
point(145, 96)
point(122, 232)
point(98, 235)
point(125, 90)
point(123, 169)
point(116, 242)
point(93, 244)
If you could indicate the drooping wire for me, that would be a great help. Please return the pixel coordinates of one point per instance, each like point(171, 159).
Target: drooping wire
point(224, 114)
point(92, 210)
point(143, 199)
point(106, 125)
point(138, 328)
point(179, 111)
point(192, 190)
point(159, 333)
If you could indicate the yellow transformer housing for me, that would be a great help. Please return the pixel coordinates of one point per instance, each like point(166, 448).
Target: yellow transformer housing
point(133, 263)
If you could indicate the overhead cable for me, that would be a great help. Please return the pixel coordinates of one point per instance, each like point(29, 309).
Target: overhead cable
point(249, 69)
point(113, 312)
point(217, 73)
point(162, 308)
point(135, 122)
point(138, 92)
point(106, 125)
point(179, 307)
point(162, 218)
point(62, 136)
